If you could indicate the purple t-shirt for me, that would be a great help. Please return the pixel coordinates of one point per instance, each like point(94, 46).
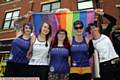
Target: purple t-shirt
point(19, 50)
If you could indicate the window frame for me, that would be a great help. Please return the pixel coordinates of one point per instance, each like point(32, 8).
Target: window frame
point(45, 5)
point(10, 19)
point(82, 2)
point(50, 3)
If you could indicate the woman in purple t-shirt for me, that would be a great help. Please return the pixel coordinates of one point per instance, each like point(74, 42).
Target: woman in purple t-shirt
point(59, 53)
point(17, 62)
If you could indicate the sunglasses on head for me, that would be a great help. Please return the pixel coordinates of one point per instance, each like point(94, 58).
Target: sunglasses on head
point(93, 27)
point(78, 27)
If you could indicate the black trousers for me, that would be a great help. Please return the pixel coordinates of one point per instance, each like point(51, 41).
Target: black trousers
point(75, 76)
point(40, 71)
point(16, 70)
point(109, 71)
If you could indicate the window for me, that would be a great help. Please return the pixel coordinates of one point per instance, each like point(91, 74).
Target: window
point(9, 19)
point(50, 6)
point(46, 8)
point(85, 4)
point(55, 6)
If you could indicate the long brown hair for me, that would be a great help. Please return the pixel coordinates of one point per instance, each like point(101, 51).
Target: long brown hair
point(65, 42)
point(49, 34)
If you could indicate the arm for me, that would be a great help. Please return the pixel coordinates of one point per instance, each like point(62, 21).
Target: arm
point(112, 23)
point(111, 19)
point(17, 27)
point(91, 48)
point(29, 52)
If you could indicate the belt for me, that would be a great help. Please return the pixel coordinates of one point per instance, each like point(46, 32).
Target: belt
point(115, 61)
point(112, 61)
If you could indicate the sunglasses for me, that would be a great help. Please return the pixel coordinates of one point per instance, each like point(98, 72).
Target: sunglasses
point(27, 28)
point(78, 27)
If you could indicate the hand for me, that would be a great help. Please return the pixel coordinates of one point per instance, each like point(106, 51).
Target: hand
point(99, 11)
point(28, 14)
point(29, 55)
point(62, 10)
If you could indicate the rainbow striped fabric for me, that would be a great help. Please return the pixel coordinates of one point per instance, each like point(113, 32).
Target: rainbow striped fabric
point(62, 20)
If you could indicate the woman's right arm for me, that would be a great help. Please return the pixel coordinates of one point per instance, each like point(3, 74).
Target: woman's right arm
point(29, 52)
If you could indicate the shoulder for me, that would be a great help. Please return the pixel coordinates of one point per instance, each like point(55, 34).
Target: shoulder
point(33, 38)
point(104, 36)
point(17, 39)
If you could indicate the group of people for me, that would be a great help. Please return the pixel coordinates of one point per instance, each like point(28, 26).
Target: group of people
point(62, 58)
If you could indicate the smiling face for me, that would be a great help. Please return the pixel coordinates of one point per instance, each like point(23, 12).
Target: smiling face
point(27, 30)
point(61, 36)
point(78, 29)
point(45, 29)
point(94, 31)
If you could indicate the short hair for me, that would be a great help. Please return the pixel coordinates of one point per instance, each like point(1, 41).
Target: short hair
point(78, 22)
point(95, 24)
point(28, 24)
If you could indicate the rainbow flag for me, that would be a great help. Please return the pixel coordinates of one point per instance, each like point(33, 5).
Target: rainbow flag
point(62, 20)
